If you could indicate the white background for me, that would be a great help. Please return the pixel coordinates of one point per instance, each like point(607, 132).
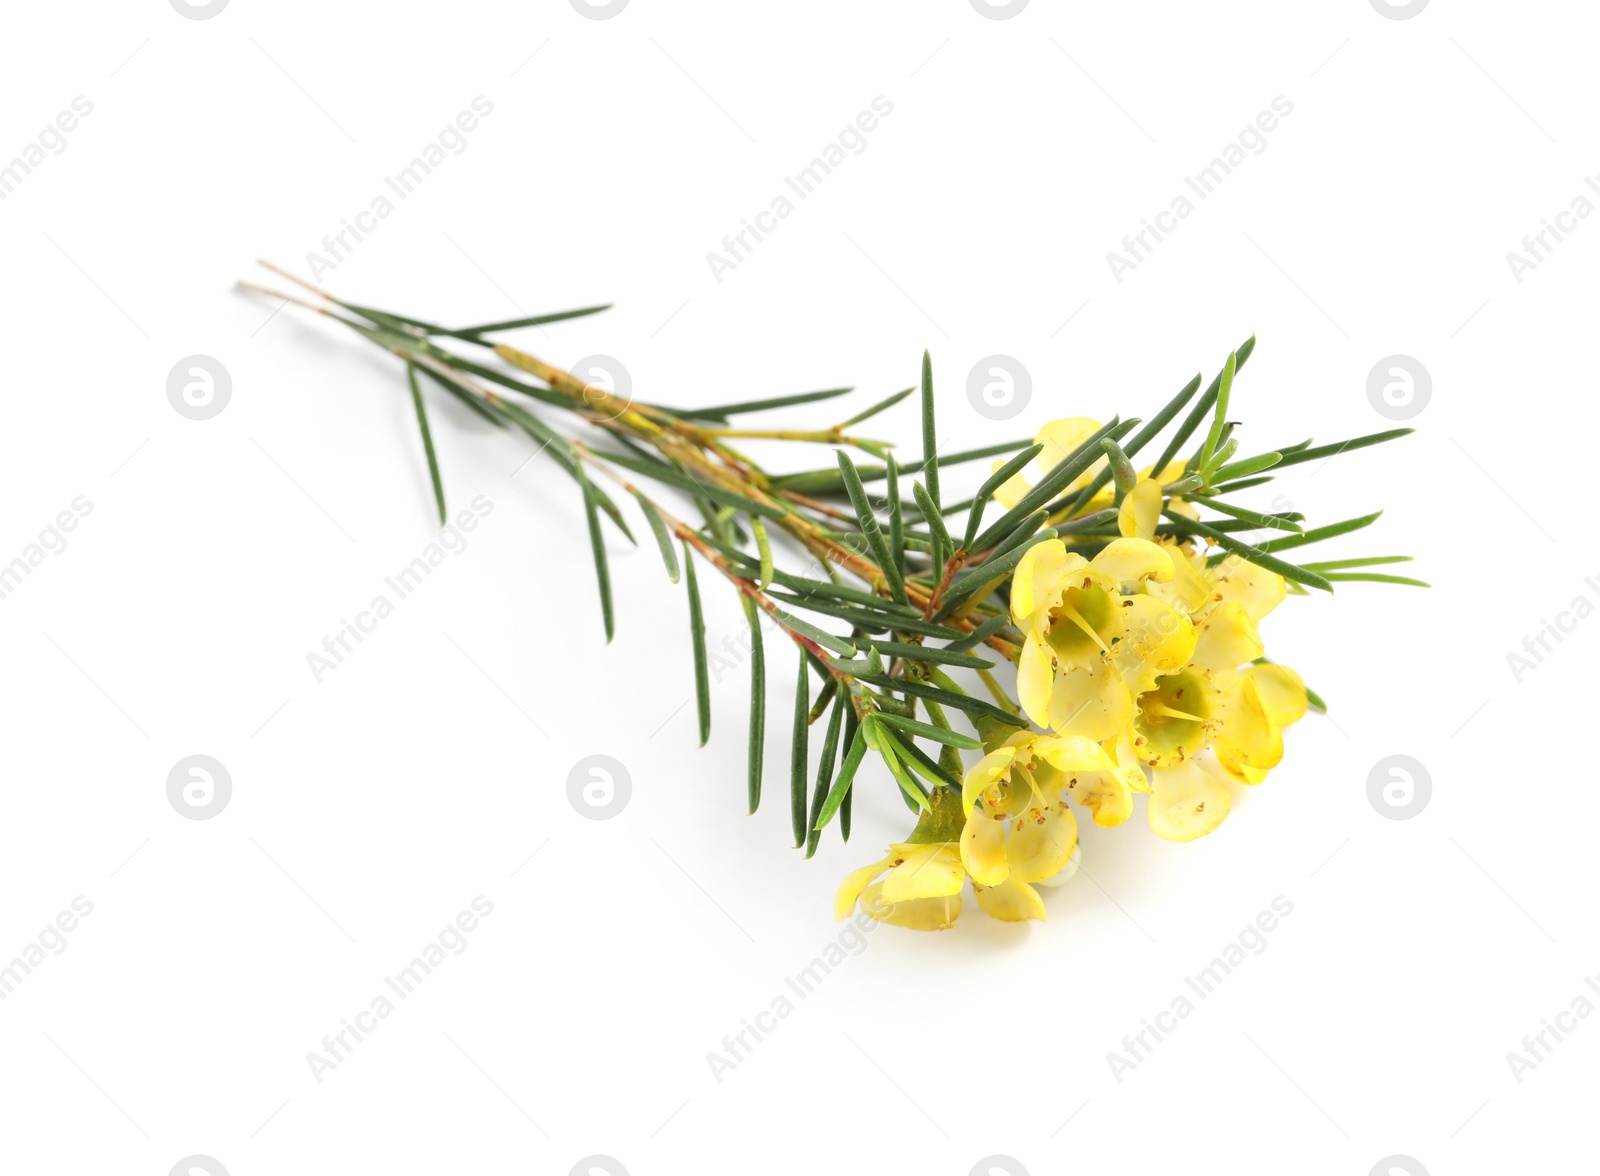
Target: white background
point(369, 809)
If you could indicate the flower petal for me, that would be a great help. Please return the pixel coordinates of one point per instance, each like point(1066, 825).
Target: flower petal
point(1037, 581)
point(1188, 590)
point(983, 847)
point(1012, 901)
point(926, 871)
point(1226, 639)
point(1130, 560)
point(1186, 802)
point(1156, 639)
point(1259, 590)
point(983, 774)
point(919, 914)
point(1247, 735)
point(1140, 511)
point(844, 899)
point(1105, 794)
point(1036, 678)
point(1043, 843)
point(1072, 753)
point(1089, 700)
point(1283, 693)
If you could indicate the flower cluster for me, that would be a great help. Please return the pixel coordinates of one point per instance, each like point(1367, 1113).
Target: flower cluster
point(1144, 670)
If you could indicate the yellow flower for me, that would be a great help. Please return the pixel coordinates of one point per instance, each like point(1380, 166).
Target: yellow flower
point(922, 890)
point(1220, 717)
point(1094, 638)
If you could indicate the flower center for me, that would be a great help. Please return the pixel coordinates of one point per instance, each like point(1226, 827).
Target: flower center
point(1171, 722)
point(1082, 625)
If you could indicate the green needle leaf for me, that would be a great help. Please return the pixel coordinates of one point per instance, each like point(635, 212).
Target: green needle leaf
point(848, 803)
point(427, 439)
point(962, 702)
point(602, 570)
point(981, 634)
point(1379, 578)
point(758, 702)
point(724, 410)
point(933, 519)
point(999, 478)
point(669, 554)
point(930, 439)
point(697, 634)
point(472, 333)
point(920, 762)
point(1339, 565)
point(1240, 484)
point(929, 731)
point(1201, 408)
point(837, 645)
point(799, 740)
point(892, 752)
point(466, 397)
point(887, 402)
point(870, 527)
point(673, 476)
point(1220, 417)
point(1304, 455)
point(764, 547)
point(1316, 534)
point(1054, 482)
point(1250, 465)
point(897, 529)
point(1258, 555)
point(830, 752)
point(841, 785)
point(1283, 522)
point(924, 653)
point(1093, 522)
point(871, 622)
point(1121, 468)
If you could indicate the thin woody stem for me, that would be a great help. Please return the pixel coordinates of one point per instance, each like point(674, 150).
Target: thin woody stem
point(685, 444)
